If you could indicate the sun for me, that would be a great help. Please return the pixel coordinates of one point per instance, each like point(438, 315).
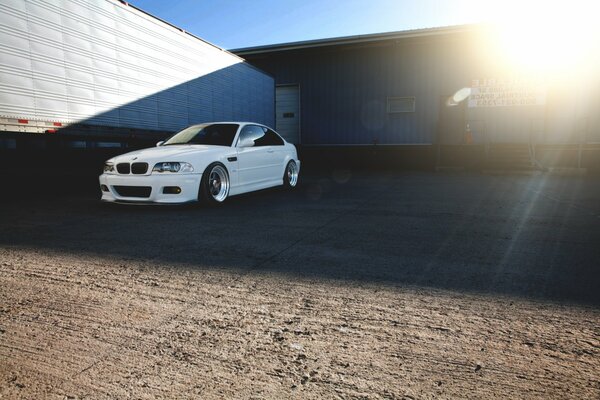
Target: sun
point(548, 37)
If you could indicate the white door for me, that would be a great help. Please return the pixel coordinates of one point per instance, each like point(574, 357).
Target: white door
point(254, 163)
point(253, 168)
point(287, 112)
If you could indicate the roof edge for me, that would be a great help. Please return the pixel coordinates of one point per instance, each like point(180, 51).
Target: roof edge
point(373, 37)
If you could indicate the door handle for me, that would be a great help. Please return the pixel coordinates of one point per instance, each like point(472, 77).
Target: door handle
point(270, 151)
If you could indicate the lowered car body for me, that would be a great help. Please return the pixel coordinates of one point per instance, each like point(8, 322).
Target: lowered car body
point(205, 162)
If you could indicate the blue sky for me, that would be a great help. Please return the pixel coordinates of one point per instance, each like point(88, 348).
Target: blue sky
point(237, 23)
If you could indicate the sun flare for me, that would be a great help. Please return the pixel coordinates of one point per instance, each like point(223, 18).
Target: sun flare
point(548, 37)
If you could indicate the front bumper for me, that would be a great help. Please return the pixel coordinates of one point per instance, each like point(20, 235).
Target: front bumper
point(188, 183)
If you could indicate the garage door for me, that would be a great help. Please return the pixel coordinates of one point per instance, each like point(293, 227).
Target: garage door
point(287, 110)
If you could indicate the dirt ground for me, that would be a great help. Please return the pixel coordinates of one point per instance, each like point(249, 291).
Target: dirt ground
point(397, 286)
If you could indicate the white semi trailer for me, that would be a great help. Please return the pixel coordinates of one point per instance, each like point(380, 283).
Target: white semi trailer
point(106, 69)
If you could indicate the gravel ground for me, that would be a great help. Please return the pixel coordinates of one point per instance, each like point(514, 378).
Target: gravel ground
point(399, 286)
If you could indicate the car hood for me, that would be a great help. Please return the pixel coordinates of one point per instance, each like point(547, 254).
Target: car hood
point(185, 153)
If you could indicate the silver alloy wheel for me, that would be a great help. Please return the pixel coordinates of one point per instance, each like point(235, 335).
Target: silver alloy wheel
point(218, 183)
point(291, 173)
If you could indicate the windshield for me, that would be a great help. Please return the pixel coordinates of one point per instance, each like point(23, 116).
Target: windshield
point(213, 134)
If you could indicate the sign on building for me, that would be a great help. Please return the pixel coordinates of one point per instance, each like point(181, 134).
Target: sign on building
point(507, 93)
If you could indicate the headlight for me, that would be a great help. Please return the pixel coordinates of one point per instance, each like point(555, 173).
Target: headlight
point(173, 167)
point(109, 168)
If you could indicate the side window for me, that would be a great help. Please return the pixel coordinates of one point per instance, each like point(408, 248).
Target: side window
point(253, 132)
point(276, 140)
point(269, 139)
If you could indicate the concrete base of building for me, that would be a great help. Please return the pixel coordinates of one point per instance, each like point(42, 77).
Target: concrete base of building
point(522, 157)
point(369, 157)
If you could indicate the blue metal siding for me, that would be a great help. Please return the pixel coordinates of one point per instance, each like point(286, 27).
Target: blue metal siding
point(344, 91)
point(592, 123)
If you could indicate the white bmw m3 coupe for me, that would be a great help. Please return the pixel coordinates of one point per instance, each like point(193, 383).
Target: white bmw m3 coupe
point(206, 162)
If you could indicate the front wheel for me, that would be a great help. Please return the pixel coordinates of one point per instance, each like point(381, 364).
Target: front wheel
point(290, 176)
point(215, 184)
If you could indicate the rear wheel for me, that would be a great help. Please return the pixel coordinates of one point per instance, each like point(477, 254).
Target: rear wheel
point(290, 176)
point(215, 184)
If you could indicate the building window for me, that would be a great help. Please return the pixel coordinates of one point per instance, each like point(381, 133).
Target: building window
point(400, 105)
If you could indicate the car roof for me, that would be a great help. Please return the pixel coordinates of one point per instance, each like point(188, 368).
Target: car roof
point(241, 123)
point(230, 122)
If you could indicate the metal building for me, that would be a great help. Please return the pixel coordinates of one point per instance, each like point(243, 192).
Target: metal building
point(439, 94)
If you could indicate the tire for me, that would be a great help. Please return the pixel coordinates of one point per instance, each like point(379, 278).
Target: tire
point(215, 185)
point(290, 175)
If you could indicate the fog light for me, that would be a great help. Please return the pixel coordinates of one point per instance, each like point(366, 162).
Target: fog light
point(104, 188)
point(171, 190)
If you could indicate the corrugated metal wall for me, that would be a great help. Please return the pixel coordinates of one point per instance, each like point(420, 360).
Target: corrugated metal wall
point(105, 63)
point(593, 122)
point(345, 89)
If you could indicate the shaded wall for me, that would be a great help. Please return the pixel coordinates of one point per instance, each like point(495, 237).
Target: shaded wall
point(344, 90)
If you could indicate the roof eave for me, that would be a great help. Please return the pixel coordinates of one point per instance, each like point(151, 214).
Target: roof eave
point(355, 39)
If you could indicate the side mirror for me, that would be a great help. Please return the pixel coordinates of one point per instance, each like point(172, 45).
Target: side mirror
point(160, 143)
point(248, 142)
